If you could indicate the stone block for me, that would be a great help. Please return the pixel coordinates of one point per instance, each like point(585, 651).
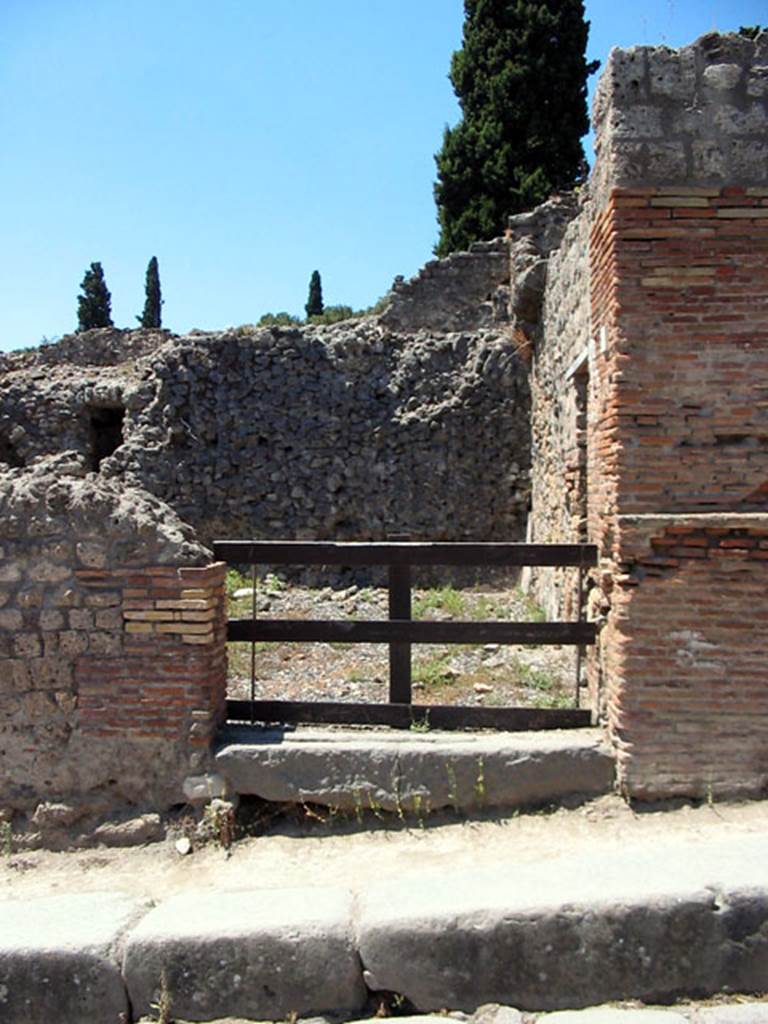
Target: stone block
point(109, 618)
point(613, 1015)
point(104, 643)
point(636, 122)
point(259, 954)
point(748, 160)
point(51, 619)
point(672, 73)
point(91, 554)
point(11, 619)
point(45, 571)
point(414, 772)
point(709, 160)
point(538, 937)
point(202, 788)
point(27, 645)
point(81, 618)
point(57, 959)
point(722, 77)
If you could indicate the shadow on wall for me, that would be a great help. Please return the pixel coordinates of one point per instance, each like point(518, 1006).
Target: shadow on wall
point(106, 431)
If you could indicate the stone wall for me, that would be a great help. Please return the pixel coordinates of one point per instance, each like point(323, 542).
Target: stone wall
point(112, 672)
point(350, 432)
point(559, 387)
point(682, 117)
point(466, 291)
point(672, 367)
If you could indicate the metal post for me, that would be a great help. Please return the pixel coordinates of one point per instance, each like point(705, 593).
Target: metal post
point(580, 649)
point(254, 579)
point(400, 653)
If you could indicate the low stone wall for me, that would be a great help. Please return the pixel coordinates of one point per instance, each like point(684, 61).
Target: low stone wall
point(112, 647)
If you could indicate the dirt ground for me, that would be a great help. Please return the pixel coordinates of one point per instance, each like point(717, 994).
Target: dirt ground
point(344, 853)
point(480, 674)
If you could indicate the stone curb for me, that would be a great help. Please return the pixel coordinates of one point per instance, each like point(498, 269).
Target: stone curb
point(648, 923)
point(59, 958)
point(266, 954)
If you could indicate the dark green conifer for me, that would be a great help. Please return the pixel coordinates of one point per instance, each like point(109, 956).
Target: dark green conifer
point(314, 306)
point(151, 317)
point(94, 305)
point(521, 79)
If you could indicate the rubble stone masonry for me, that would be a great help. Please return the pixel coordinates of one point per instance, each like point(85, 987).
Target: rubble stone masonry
point(112, 646)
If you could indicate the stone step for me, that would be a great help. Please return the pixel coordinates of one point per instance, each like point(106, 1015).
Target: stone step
point(413, 772)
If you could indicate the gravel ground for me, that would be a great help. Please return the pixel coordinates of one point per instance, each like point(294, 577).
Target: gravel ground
point(519, 676)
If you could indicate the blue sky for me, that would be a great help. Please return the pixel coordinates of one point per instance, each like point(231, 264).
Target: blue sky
point(244, 143)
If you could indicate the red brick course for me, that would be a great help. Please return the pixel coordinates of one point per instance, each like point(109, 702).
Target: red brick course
point(169, 677)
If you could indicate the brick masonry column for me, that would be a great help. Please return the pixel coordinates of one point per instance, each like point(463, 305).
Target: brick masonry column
point(168, 679)
point(678, 427)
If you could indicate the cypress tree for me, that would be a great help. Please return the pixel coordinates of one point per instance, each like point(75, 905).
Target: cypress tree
point(521, 80)
point(151, 317)
point(94, 305)
point(314, 306)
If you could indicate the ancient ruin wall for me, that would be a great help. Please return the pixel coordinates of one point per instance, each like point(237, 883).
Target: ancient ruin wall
point(466, 291)
point(348, 433)
point(112, 670)
point(560, 360)
point(677, 460)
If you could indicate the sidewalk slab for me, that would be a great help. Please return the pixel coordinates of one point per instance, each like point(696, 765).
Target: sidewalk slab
point(263, 955)
point(412, 771)
point(644, 923)
point(59, 958)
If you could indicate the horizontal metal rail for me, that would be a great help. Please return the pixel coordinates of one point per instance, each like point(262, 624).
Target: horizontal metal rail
point(299, 552)
point(387, 631)
point(407, 716)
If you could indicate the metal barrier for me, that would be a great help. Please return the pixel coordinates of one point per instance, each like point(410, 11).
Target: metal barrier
point(400, 631)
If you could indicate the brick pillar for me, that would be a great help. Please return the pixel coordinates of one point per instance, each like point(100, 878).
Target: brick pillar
point(166, 680)
point(679, 425)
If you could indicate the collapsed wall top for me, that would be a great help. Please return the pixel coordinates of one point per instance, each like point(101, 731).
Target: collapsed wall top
point(116, 524)
point(678, 117)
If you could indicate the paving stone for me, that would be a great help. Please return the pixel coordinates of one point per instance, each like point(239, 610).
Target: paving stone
point(57, 959)
point(257, 954)
point(572, 933)
point(733, 1013)
point(613, 1015)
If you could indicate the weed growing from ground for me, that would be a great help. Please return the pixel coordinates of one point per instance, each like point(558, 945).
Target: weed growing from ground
point(273, 584)
point(235, 581)
point(432, 672)
point(479, 786)
point(6, 838)
point(162, 1007)
point(420, 724)
point(445, 599)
